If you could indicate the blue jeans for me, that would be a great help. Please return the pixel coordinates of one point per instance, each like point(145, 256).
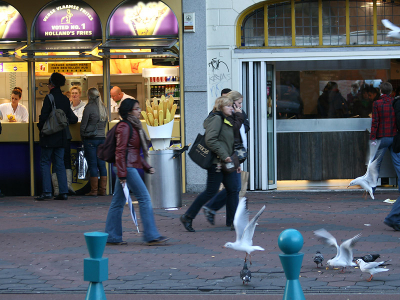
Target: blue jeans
point(393, 218)
point(214, 180)
point(385, 144)
point(93, 161)
point(220, 199)
point(45, 159)
point(114, 217)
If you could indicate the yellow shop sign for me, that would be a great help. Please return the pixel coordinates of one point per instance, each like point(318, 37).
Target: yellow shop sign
point(69, 67)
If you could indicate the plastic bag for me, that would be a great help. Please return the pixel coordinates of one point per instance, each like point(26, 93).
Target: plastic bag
point(82, 165)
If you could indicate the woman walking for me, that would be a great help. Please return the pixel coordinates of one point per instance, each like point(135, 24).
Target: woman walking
point(93, 126)
point(131, 138)
point(219, 138)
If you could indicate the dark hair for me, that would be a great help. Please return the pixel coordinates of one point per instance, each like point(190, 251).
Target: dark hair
point(17, 91)
point(225, 91)
point(57, 79)
point(126, 107)
point(386, 88)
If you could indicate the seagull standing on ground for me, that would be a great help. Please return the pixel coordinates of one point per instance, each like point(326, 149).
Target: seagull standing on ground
point(244, 229)
point(245, 274)
point(344, 253)
point(371, 267)
point(395, 31)
point(318, 258)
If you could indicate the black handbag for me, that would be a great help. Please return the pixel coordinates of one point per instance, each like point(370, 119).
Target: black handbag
point(241, 152)
point(229, 167)
point(200, 153)
point(396, 143)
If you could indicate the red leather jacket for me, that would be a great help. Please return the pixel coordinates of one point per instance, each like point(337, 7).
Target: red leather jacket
point(132, 159)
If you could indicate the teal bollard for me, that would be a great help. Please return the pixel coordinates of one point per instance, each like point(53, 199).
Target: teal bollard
point(95, 268)
point(290, 241)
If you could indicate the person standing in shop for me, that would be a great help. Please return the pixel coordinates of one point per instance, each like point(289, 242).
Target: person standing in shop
point(117, 96)
point(14, 111)
point(55, 143)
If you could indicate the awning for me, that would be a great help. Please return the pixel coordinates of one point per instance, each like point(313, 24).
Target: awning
point(160, 48)
point(35, 51)
point(7, 51)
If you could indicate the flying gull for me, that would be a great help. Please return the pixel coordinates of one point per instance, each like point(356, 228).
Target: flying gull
point(395, 31)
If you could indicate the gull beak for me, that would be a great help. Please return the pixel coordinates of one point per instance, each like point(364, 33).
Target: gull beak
point(223, 247)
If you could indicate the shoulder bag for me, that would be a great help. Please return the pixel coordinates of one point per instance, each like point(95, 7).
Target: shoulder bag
point(56, 121)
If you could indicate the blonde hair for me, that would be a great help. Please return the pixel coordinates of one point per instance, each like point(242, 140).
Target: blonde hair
point(234, 95)
point(94, 95)
point(75, 87)
point(222, 101)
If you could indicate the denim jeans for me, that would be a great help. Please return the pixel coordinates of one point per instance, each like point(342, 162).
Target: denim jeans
point(45, 159)
point(385, 144)
point(114, 217)
point(214, 180)
point(67, 157)
point(220, 199)
point(394, 216)
point(93, 161)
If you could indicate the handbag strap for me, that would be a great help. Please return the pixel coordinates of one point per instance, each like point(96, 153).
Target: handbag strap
point(51, 98)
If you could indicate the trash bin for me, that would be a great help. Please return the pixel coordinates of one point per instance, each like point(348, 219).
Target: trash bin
point(165, 185)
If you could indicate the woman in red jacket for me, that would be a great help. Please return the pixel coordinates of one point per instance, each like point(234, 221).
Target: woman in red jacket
point(130, 138)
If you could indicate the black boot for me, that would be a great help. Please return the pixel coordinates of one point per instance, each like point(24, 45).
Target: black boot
point(187, 223)
point(61, 197)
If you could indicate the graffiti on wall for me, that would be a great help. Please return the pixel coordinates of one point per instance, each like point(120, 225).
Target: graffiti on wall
point(219, 77)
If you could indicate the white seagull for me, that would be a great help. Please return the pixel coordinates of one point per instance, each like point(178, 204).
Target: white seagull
point(371, 268)
point(244, 229)
point(395, 33)
point(344, 254)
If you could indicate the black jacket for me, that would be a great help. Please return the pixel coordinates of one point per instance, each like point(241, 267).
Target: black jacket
point(58, 139)
point(396, 106)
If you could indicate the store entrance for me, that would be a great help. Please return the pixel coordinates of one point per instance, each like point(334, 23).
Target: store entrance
point(258, 88)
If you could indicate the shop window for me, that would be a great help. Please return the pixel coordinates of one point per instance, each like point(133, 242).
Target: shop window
point(390, 11)
point(334, 22)
point(306, 15)
point(253, 29)
point(279, 25)
point(361, 22)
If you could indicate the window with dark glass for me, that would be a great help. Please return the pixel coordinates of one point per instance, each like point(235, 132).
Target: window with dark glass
point(306, 15)
point(253, 29)
point(391, 12)
point(334, 22)
point(361, 22)
point(279, 24)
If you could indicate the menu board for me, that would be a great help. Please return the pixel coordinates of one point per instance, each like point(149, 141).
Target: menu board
point(12, 25)
point(63, 20)
point(143, 18)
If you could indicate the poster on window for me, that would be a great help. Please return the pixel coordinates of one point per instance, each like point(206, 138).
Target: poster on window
point(143, 18)
point(12, 25)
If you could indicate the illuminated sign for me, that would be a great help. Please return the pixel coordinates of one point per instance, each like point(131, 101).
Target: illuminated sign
point(14, 67)
point(143, 18)
point(69, 67)
point(63, 20)
point(12, 25)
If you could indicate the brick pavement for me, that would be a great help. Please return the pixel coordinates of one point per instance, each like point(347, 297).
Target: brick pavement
point(42, 248)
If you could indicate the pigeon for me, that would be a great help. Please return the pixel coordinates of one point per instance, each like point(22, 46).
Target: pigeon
point(395, 31)
point(245, 274)
point(344, 255)
point(368, 257)
point(371, 267)
point(244, 229)
point(318, 258)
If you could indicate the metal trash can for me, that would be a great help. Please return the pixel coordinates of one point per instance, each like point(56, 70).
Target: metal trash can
point(165, 185)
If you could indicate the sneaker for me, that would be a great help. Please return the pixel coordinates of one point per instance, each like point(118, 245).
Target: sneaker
point(117, 243)
point(210, 215)
point(161, 239)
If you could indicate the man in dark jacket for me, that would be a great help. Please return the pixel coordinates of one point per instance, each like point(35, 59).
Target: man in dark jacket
point(54, 144)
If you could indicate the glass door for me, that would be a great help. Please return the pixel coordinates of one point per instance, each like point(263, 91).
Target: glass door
point(258, 89)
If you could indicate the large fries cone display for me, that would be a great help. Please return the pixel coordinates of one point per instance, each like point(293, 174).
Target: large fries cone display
point(159, 117)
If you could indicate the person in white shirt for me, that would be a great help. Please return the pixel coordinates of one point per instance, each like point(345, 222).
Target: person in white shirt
point(13, 111)
point(77, 105)
point(117, 96)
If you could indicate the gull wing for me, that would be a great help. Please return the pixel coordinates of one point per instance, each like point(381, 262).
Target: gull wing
point(346, 248)
point(327, 239)
point(241, 219)
point(390, 25)
point(372, 265)
point(249, 230)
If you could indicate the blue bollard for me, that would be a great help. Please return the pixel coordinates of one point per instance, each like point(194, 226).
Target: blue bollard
point(95, 268)
point(290, 241)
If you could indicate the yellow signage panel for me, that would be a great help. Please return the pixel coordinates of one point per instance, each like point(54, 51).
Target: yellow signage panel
point(14, 67)
point(69, 67)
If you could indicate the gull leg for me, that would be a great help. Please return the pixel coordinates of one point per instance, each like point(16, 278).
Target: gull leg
point(369, 279)
point(250, 259)
point(245, 259)
point(342, 271)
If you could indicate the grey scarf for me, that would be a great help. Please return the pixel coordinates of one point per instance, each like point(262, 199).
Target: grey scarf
point(144, 139)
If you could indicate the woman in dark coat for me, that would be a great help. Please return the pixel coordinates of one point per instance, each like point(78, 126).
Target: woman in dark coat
point(54, 144)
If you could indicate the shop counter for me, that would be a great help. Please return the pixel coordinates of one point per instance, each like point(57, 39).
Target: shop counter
point(14, 132)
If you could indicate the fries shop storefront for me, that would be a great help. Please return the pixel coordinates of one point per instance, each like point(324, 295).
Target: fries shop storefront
point(93, 44)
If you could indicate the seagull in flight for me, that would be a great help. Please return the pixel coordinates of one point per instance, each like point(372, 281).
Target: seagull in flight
point(244, 229)
point(371, 268)
point(395, 31)
point(344, 254)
